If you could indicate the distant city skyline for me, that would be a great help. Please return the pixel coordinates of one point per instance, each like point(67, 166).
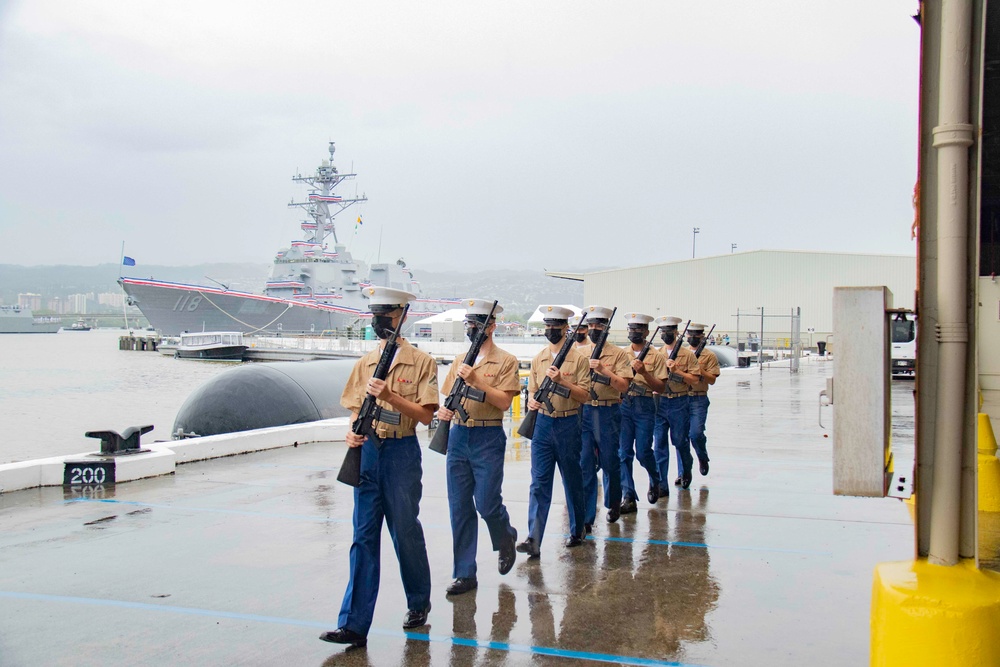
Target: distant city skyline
point(562, 135)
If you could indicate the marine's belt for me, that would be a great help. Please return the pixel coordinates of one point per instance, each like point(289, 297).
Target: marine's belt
point(561, 413)
point(675, 394)
point(697, 393)
point(393, 432)
point(603, 403)
point(639, 390)
point(473, 423)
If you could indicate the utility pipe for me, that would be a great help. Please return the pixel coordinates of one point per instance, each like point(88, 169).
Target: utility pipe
point(952, 138)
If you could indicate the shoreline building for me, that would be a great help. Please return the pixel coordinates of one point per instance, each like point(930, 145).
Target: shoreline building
point(730, 290)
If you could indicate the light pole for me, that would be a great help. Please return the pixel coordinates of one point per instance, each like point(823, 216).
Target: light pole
point(694, 238)
point(732, 248)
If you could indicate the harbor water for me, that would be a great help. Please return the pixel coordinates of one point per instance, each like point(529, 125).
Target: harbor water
point(54, 387)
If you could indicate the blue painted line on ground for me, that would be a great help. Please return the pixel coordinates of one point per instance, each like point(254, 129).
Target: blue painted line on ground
point(445, 639)
point(306, 517)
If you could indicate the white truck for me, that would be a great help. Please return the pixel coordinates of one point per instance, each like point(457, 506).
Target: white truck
point(903, 332)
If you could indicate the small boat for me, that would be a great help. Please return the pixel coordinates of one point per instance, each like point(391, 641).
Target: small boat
point(211, 345)
point(79, 325)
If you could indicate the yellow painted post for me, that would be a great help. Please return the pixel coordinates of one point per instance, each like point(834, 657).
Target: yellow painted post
point(989, 467)
point(515, 407)
point(933, 615)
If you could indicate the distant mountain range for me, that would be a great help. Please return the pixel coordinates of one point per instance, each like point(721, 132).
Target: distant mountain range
point(520, 292)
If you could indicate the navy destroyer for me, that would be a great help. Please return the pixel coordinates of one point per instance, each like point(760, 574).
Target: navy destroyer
point(14, 319)
point(312, 288)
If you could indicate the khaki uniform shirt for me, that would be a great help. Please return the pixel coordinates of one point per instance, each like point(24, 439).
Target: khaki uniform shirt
point(585, 348)
point(709, 365)
point(655, 363)
point(687, 362)
point(576, 366)
point(618, 361)
point(498, 369)
point(413, 375)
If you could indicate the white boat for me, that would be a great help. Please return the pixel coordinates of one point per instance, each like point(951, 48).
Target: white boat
point(211, 345)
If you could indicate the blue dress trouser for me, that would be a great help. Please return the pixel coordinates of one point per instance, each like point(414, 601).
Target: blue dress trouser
point(556, 442)
point(390, 489)
point(636, 441)
point(475, 477)
point(673, 419)
point(601, 430)
point(699, 413)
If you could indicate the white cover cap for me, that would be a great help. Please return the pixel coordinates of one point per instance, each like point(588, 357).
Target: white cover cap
point(555, 313)
point(638, 318)
point(666, 321)
point(575, 320)
point(386, 296)
point(480, 307)
point(598, 313)
point(694, 327)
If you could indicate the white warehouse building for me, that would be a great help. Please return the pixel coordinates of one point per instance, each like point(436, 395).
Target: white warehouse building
point(713, 290)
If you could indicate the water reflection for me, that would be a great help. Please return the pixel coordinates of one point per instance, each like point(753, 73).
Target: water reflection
point(625, 600)
point(463, 624)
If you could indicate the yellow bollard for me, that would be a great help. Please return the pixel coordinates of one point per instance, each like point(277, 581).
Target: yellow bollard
point(989, 467)
point(925, 614)
point(515, 407)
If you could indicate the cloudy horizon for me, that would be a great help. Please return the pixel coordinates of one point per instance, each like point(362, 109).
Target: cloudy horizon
point(563, 135)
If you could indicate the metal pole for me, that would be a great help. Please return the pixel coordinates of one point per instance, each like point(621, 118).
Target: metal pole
point(952, 138)
point(732, 248)
point(760, 343)
point(694, 238)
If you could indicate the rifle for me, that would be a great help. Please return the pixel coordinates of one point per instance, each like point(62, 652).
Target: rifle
point(596, 354)
point(704, 341)
point(549, 387)
point(461, 390)
point(370, 412)
point(635, 389)
point(678, 343)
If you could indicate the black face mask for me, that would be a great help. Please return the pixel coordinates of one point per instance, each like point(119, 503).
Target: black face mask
point(553, 335)
point(581, 336)
point(668, 337)
point(382, 326)
point(471, 331)
point(636, 337)
point(694, 341)
point(595, 336)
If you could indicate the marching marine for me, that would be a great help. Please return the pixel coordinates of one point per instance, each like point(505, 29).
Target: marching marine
point(476, 450)
point(602, 419)
point(639, 413)
point(673, 413)
point(556, 438)
point(582, 342)
point(390, 487)
point(708, 365)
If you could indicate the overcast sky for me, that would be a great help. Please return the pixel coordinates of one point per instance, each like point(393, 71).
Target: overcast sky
point(556, 134)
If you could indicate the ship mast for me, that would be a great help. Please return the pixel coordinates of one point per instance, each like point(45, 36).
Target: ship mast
point(322, 204)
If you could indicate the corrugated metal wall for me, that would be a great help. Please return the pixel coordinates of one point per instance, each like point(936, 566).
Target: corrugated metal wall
point(710, 290)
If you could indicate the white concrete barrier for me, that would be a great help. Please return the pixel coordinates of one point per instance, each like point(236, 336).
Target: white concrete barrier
point(163, 457)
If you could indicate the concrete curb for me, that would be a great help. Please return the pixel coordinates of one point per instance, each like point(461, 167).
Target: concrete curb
point(163, 457)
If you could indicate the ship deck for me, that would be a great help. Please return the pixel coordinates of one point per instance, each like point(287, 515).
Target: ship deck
point(243, 561)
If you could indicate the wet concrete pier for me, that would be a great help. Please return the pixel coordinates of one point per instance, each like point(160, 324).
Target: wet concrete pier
point(244, 560)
